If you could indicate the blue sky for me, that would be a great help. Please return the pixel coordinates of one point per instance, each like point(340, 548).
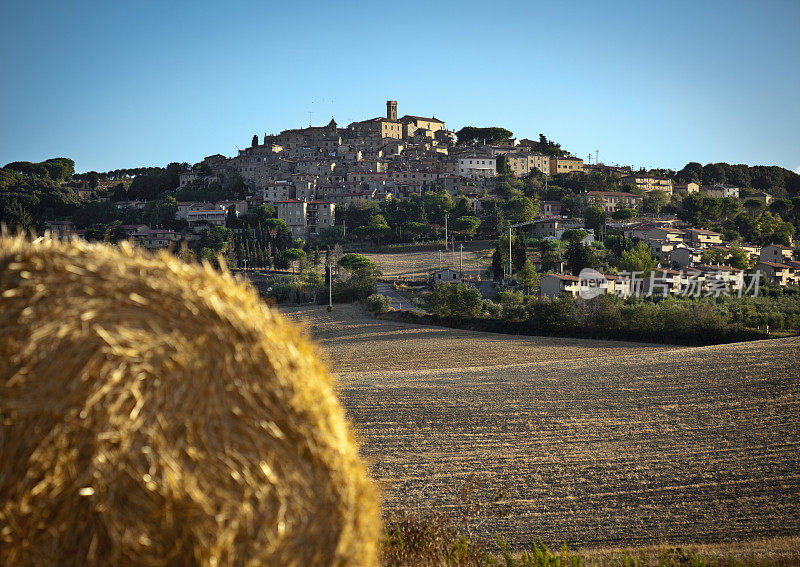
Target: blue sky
point(124, 84)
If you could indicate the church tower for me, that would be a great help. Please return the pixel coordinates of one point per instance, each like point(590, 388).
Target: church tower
point(391, 109)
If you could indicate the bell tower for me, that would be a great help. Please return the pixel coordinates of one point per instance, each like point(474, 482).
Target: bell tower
point(391, 109)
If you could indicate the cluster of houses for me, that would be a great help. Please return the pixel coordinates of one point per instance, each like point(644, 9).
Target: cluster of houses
point(306, 173)
point(141, 234)
point(775, 264)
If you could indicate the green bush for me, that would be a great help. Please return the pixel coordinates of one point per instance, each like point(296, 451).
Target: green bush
point(455, 300)
point(378, 304)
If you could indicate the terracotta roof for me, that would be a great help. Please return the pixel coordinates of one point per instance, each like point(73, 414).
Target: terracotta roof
point(774, 265)
point(409, 117)
point(613, 194)
point(719, 268)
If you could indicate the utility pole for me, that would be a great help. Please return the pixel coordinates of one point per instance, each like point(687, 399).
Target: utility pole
point(330, 285)
point(509, 254)
point(440, 260)
point(461, 261)
point(445, 231)
point(596, 157)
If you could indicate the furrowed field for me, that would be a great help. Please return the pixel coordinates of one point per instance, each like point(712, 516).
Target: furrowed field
point(596, 443)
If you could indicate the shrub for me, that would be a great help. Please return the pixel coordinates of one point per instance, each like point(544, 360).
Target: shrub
point(377, 303)
point(455, 300)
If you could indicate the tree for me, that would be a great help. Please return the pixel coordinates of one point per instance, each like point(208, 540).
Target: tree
point(437, 203)
point(462, 208)
point(493, 220)
point(739, 258)
point(624, 214)
point(574, 234)
point(415, 230)
point(467, 225)
point(527, 276)
point(377, 228)
point(655, 201)
point(579, 256)
point(291, 255)
point(353, 262)
point(690, 173)
point(713, 256)
point(549, 259)
point(712, 174)
point(231, 219)
point(521, 209)
point(502, 165)
point(455, 300)
point(595, 218)
point(780, 206)
point(519, 252)
point(216, 239)
point(638, 259)
point(753, 207)
point(498, 263)
point(470, 135)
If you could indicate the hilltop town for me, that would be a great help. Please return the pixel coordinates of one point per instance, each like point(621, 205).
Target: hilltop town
point(393, 179)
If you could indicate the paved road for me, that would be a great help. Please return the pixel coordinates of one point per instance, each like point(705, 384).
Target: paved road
point(398, 301)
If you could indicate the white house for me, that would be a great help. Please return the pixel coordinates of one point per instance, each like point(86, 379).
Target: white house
point(477, 166)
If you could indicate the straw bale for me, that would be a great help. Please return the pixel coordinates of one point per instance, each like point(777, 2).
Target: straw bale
point(154, 412)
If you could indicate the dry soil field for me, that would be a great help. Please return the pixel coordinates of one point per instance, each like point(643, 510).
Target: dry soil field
point(477, 258)
point(597, 443)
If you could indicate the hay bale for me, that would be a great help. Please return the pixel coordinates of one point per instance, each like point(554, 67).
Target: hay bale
point(154, 412)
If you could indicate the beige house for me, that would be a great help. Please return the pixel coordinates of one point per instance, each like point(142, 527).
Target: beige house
point(614, 200)
point(157, 238)
point(379, 128)
point(703, 238)
point(410, 125)
point(663, 282)
point(690, 187)
point(319, 216)
point(278, 191)
point(446, 276)
point(684, 256)
point(555, 227)
point(199, 219)
point(779, 274)
point(522, 163)
point(551, 208)
point(673, 235)
point(662, 248)
point(647, 182)
point(294, 213)
point(567, 164)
